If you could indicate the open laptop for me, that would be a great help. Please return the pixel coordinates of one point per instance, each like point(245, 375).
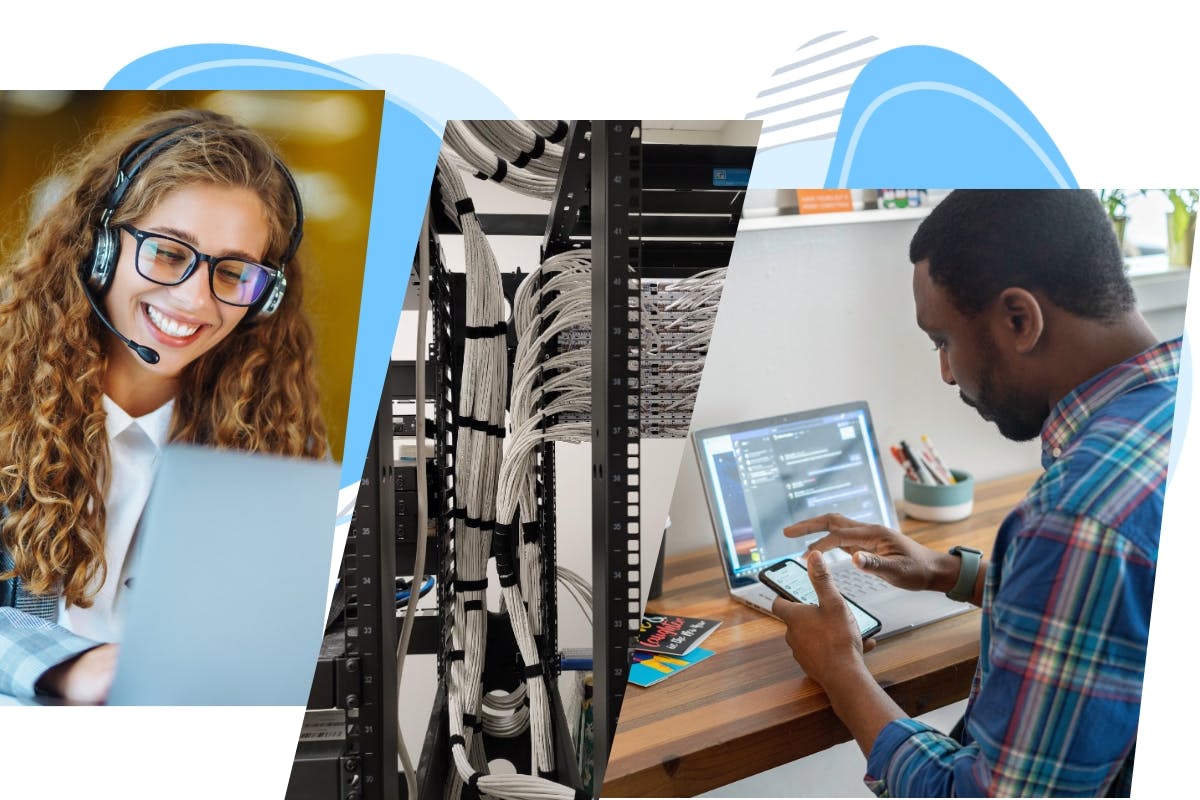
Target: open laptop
point(760, 476)
point(227, 599)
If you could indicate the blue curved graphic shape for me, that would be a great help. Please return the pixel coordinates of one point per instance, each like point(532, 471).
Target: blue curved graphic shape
point(408, 148)
point(923, 116)
point(435, 91)
point(791, 164)
point(230, 66)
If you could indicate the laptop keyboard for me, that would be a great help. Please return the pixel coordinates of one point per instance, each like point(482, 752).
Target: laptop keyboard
point(851, 581)
point(855, 583)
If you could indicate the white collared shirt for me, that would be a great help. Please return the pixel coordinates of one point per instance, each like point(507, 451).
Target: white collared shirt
point(133, 447)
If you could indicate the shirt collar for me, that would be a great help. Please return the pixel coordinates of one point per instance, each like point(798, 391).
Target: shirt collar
point(1159, 363)
point(156, 425)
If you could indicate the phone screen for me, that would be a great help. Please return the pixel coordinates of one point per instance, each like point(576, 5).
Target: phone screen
point(793, 579)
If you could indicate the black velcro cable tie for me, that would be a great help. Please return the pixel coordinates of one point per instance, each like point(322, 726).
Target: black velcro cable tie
point(473, 781)
point(479, 425)
point(470, 586)
point(509, 579)
point(486, 331)
point(504, 529)
point(539, 147)
point(473, 605)
point(456, 655)
point(530, 531)
point(464, 206)
point(479, 524)
point(473, 722)
point(560, 132)
point(456, 739)
point(501, 170)
point(533, 671)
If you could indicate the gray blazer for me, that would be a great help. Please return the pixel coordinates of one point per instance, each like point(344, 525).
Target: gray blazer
point(30, 641)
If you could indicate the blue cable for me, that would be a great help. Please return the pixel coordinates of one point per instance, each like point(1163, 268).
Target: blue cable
point(404, 594)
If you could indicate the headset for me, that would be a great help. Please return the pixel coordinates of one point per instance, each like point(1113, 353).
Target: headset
point(97, 272)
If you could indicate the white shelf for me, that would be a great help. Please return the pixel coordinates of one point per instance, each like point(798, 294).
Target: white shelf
point(1153, 265)
point(1158, 286)
point(781, 221)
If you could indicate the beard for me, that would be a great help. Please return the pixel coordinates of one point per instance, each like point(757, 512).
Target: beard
point(1017, 418)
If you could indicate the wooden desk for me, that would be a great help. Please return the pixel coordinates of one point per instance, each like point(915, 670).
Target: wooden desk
point(749, 708)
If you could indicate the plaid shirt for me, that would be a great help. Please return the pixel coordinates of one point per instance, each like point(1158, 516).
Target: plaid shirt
point(30, 642)
point(1054, 704)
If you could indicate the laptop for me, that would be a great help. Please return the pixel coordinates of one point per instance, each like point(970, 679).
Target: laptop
point(227, 601)
point(760, 476)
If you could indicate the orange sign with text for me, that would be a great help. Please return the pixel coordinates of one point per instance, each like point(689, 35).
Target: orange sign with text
point(821, 201)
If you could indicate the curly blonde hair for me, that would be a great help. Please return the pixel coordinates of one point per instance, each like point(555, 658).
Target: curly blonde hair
point(255, 391)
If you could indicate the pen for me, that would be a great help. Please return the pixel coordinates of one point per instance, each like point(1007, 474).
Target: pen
point(930, 464)
point(909, 472)
point(922, 477)
point(938, 458)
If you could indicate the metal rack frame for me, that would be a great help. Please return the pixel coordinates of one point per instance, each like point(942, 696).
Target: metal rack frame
point(616, 424)
point(612, 191)
point(358, 685)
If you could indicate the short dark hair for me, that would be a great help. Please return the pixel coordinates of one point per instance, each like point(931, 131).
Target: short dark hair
point(1061, 242)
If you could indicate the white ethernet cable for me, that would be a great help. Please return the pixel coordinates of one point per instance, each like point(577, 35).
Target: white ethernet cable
point(564, 278)
point(536, 400)
point(478, 457)
point(578, 588)
point(410, 613)
point(700, 297)
point(487, 165)
point(520, 144)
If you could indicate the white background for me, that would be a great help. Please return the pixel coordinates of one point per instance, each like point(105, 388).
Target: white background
point(1113, 84)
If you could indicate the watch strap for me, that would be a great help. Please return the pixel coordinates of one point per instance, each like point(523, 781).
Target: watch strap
point(964, 588)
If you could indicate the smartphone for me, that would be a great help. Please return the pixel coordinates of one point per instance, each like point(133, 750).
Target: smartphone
point(790, 581)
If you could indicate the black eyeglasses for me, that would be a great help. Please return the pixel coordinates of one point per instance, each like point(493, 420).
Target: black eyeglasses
point(169, 262)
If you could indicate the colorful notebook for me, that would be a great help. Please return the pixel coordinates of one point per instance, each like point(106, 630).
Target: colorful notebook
point(673, 636)
point(651, 668)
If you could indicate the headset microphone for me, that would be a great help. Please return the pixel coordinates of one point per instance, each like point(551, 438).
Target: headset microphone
point(145, 353)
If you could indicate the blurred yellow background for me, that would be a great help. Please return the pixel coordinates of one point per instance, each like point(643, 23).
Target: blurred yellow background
point(329, 140)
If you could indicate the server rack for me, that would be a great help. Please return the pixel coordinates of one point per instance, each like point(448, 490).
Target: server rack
point(348, 745)
point(646, 211)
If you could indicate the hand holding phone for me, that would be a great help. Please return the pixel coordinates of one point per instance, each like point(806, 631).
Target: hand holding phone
point(789, 579)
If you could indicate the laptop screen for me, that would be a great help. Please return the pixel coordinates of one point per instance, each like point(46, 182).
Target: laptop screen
point(761, 476)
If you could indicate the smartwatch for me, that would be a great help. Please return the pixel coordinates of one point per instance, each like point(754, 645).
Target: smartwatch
point(964, 589)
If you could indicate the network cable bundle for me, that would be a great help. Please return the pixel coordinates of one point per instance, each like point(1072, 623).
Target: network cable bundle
point(496, 497)
point(678, 316)
point(600, 340)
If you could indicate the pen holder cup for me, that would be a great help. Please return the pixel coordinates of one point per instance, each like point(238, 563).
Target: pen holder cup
point(940, 503)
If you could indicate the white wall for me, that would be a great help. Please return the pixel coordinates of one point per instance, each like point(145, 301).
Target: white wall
point(818, 315)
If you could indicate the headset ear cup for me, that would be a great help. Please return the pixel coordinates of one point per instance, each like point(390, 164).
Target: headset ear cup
point(274, 297)
point(104, 261)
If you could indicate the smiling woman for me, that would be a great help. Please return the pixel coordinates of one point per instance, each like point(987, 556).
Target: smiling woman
point(160, 294)
point(157, 300)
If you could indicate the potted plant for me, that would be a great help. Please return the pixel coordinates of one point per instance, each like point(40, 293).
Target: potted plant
point(1181, 225)
point(1113, 201)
